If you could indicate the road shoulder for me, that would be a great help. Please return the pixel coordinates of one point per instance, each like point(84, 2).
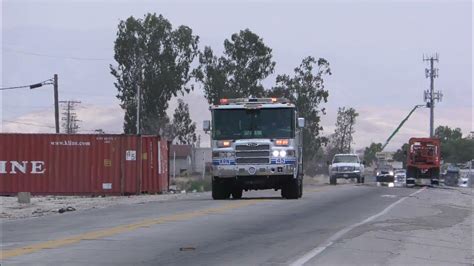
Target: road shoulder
point(433, 227)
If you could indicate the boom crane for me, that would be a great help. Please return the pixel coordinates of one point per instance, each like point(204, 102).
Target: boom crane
point(400, 125)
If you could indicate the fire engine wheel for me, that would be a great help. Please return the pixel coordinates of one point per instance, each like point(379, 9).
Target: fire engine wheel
point(219, 190)
point(435, 182)
point(359, 179)
point(301, 190)
point(332, 180)
point(237, 193)
point(291, 190)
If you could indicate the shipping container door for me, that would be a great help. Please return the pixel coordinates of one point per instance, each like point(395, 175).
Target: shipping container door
point(129, 154)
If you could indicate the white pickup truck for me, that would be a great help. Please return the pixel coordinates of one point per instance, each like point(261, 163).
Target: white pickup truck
point(347, 166)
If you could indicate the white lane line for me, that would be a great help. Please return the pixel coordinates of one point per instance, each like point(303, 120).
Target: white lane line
point(316, 251)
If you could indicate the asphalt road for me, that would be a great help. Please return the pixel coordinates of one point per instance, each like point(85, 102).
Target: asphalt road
point(330, 225)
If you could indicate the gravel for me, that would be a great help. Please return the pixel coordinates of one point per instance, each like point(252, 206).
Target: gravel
point(58, 205)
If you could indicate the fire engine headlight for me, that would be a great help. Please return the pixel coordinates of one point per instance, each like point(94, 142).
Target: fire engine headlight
point(282, 153)
point(223, 154)
point(275, 153)
point(390, 173)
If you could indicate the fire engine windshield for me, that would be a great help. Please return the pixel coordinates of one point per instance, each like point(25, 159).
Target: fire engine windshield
point(253, 123)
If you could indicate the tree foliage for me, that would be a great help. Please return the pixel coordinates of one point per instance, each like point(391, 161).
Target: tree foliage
point(445, 133)
point(239, 71)
point(454, 148)
point(184, 127)
point(306, 90)
point(150, 54)
point(343, 134)
point(371, 151)
point(401, 154)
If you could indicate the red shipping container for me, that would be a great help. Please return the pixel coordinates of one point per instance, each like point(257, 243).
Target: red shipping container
point(70, 164)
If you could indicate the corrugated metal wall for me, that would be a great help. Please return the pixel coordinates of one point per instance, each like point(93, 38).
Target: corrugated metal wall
point(82, 164)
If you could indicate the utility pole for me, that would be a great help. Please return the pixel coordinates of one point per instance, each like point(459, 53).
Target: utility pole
point(70, 117)
point(56, 102)
point(431, 95)
point(138, 109)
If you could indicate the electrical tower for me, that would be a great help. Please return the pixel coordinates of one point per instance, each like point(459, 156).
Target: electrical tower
point(70, 121)
point(431, 95)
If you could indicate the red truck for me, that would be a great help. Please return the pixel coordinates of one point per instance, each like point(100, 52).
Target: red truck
point(423, 161)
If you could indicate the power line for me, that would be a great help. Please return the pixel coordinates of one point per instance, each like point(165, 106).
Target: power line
point(27, 124)
point(13, 88)
point(31, 86)
point(46, 126)
point(57, 56)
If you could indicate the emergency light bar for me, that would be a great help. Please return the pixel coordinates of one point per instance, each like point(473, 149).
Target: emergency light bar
point(225, 101)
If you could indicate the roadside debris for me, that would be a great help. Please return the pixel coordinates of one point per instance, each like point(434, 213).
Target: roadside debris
point(68, 209)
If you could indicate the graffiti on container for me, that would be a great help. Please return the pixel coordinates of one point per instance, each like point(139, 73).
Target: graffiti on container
point(70, 143)
point(15, 167)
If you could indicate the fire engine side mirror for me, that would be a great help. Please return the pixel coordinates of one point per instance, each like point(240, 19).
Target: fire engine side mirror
point(364, 162)
point(328, 162)
point(301, 122)
point(206, 125)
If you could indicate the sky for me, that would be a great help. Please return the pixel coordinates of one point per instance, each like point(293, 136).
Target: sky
point(375, 49)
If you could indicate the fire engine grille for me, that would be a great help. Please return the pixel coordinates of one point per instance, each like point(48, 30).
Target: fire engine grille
point(252, 160)
point(247, 154)
point(254, 147)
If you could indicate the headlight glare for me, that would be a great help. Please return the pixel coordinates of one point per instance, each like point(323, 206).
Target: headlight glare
point(282, 153)
point(275, 153)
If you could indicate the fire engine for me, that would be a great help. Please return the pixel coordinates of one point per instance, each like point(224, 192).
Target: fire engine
point(256, 144)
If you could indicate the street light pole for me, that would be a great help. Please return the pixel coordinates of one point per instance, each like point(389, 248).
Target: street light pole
point(54, 82)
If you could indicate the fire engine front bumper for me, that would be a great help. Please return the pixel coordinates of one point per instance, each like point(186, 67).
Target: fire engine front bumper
point(236, 170)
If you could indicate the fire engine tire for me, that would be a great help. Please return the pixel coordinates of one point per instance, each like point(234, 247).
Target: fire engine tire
point(332, 180)
point(435, 182)
point(363, 179)
point(359, 180)
point(301, 190)
point(237, 193)
point(219, 190)
point(291, 190)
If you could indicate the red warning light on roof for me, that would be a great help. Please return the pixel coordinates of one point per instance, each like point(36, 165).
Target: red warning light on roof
point(224, 101)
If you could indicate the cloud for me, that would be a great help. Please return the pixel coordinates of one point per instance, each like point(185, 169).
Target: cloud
point(92, 117)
